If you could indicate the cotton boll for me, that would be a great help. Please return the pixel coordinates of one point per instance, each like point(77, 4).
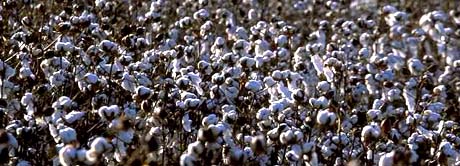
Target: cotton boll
point(247, 63)
point(230, 117)
point(346, 125)
point(416, 67)
point(81, 155)
point(273, 134)
point(73, 116)
point(277, 107)
point(277, 75)
point(195, 148)
point(298, 136)
point(126, 135)
point(100, 145)
point(187, 160)
point(287, 137)
point(64, 46)
point(27, 99)
point(377, 104)
point(253, 85)
point(323, 86)
point(436, 107)
point(299, 95)
point(68, 135)
point(322, 102)
point(57, 79)
point(241, 33)
point(108, 46)
point(67, 154)
point(324, 117)
point(394, 94)
point(263, 114)
point(281, 40)
point(431, 116)
point(23, 163)
point(108, 113)
point(130, 113)
point(447, 148)
point(370, 132)
point(91, 78)
point(143, 92)
point(210, 119)
point(326, 150)
point(292, 156)
point(26, 72)
point(192, 103)
point(269, 81)
point(387, 159)
point(237, 156)
point(252, 15)
point(374, 114)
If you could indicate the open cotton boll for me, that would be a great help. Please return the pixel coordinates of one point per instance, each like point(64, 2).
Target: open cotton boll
point(187, 159)
point(431, 116)
point(27, 99)
point(394, 94)
point(127, 83)
point(143, 92)
point(370, 132)
point(287, 137)
point(142, 79)
point(81, 155)
point(324, 117)
point(416, 67)
point(91, 78)
point(73, 116)
point(263, 114)
point(374, 114)
point(436, 107)
point(23, 163)
point(253, 85)
point(26, 72)
point(387, 159)
point(196, 148)
point(195, 81)
point(210, 119)
point(64, 46)
point(277, 106)
point(269, 81)
point(187, 123)
point(317, 63)
point(108, 46)
point(230, 115)
point(447, 148)
point(281, 40)
point(292, 156)
point(100, 145)
point(126, 135)
point(62, 103)
point(108, 113)
point(323, 86)
point(322, 102)
point(192, 103)
point(57, 79)
point(130, 113)
point(67, 154)
point(67, 135)
point(120, 153)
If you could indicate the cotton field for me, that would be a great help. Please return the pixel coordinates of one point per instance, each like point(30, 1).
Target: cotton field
point(239, 82)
